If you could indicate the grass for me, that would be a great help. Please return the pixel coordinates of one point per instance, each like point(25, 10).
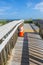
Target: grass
point(28, 21)
point(4, 21)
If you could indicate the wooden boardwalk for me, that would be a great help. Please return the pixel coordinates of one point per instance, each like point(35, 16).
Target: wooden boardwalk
point(28, 50)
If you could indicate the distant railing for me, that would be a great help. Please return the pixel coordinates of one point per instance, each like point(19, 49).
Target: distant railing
point(8, 44)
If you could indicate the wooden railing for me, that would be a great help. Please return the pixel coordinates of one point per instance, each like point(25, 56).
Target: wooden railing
point(8, 44)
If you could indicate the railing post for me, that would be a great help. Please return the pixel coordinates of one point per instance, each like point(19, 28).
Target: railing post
point(1, 59)
point(6, 48)
point(5, 56)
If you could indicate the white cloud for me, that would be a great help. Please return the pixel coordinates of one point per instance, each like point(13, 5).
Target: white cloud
point(29, 4)
point(4, 9)
point(13, 13)
point(39, 6)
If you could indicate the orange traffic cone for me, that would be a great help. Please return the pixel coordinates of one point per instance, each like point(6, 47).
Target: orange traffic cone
point(21, 31)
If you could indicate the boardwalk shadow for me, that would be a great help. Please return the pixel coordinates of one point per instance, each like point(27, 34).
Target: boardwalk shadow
point(25, 51)
point(26, 57)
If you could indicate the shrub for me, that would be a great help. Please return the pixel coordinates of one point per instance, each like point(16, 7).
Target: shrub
point(28, 21)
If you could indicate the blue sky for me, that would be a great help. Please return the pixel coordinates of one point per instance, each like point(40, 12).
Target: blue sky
point(21, 9)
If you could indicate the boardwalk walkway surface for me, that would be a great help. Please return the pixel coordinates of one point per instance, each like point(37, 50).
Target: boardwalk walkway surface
point(28, 50)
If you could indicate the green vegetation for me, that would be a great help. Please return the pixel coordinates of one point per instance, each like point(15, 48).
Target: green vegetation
point(4, 21)
point(28, 21)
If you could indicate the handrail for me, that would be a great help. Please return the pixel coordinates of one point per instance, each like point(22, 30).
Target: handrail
point(7, 27)
point(8, 44)
point(2, 45)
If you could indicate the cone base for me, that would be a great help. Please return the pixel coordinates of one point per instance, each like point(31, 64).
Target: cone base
point(21, 34)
